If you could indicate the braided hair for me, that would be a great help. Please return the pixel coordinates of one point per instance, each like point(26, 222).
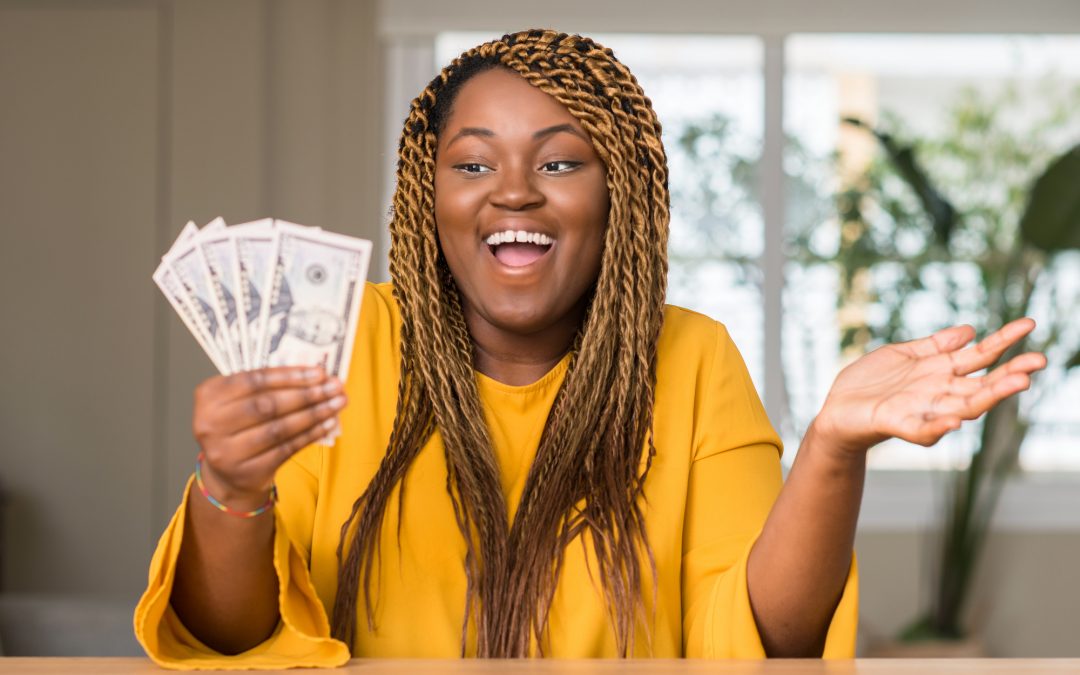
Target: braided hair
point(596, 448)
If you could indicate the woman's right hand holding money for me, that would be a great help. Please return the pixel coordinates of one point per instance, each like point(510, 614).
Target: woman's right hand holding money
point(248, 424)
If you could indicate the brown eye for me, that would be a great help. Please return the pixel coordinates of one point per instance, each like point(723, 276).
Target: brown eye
point(472, 167)
point(561, 166)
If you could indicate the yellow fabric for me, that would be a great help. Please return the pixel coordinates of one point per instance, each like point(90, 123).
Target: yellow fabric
point(710, 488)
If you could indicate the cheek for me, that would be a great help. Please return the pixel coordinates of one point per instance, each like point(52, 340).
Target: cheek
point(592, 216)
point(596, 215)
point(443, 202)
point(452, 217)
point(457, 207)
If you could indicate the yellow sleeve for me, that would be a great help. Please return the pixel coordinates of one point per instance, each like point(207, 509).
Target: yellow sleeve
point(734, 480)
point(302, 637)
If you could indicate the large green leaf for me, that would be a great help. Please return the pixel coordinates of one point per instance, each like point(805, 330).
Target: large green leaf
point(941, 212)
point(1073, 362)
point(1052, 218)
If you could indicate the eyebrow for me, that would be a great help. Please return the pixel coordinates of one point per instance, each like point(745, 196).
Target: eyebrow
point(543, 133)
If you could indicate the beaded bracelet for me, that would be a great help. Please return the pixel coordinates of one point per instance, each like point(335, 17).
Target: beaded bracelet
point(270, 501)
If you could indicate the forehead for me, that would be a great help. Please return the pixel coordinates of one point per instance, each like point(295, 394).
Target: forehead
point(502, 101)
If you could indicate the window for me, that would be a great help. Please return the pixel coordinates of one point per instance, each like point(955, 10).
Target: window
point(990, 111)
point(709, 92)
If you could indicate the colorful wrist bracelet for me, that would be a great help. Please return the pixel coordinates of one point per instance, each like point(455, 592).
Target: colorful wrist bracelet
point(232, 512)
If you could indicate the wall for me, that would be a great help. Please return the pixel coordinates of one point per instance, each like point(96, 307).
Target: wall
point(1026, 602)
point(119, 121)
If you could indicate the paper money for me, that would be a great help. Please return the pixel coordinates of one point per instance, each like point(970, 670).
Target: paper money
point(189, 268)
point(174, 292)
point(310, 315)
point(254, 247)
point(186, 234)
point(219, 254)
point(267, 293)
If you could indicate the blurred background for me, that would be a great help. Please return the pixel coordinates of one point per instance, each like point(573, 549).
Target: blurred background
point(843, 174)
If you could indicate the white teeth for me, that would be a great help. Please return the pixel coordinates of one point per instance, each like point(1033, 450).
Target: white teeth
point(518, 236)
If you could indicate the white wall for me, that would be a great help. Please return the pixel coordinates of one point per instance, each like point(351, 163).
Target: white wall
point(119, 121)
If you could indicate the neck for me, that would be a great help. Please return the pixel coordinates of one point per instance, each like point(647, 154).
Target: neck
point(518, 359)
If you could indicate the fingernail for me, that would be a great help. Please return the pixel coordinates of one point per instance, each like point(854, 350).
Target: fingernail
point(337, 402)
point(329, 424)
point(311, 373)
point(332, 387)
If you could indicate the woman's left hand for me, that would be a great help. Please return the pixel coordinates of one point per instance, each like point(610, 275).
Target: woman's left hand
point(921, 390)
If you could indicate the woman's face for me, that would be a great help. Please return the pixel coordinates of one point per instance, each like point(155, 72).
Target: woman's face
point(521, 204)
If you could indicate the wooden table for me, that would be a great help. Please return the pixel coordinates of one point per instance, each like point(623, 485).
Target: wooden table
point(140, 666)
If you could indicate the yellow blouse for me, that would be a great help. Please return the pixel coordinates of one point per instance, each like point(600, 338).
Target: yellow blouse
point(710, 488)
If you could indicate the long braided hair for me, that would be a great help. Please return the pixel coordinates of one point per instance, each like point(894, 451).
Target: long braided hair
point(589, 471)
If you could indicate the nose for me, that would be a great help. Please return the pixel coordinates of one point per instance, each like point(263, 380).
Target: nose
point(515, 188)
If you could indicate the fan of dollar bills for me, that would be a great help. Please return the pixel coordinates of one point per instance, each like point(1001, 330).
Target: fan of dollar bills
point(267, 293)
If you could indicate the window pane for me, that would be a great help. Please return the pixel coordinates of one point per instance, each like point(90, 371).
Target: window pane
point(986, 115)
point(707, 92)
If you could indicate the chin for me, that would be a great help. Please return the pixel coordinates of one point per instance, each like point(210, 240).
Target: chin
point(518, 316)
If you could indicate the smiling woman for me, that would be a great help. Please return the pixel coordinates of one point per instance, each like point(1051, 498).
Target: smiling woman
point(589, 472)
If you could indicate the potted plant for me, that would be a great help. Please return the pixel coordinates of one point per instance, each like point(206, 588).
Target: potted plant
point(990, 253)
point(984, 216)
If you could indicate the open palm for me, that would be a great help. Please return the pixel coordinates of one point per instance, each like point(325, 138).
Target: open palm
point(921, 390)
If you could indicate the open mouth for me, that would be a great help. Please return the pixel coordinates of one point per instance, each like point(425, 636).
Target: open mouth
point(517, 248)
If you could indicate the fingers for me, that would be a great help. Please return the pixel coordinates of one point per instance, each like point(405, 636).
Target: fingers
point(967, 398)
point(975, 395)
point(918, 429)
point(278, 437)
point(971, 405)
point(1024, 364)
point(938, 396)
point(943, 341)
point(268, 462)
point(247, 383)
point(269, 404)
point(946, 413)
point(986, 352)
point(247, 461)
point(249, 423)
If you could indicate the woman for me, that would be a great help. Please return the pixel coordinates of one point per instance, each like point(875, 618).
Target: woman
point(538, 456)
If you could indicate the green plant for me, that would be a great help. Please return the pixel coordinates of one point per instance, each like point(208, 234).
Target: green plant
point(980, 222)
point(989, 254)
